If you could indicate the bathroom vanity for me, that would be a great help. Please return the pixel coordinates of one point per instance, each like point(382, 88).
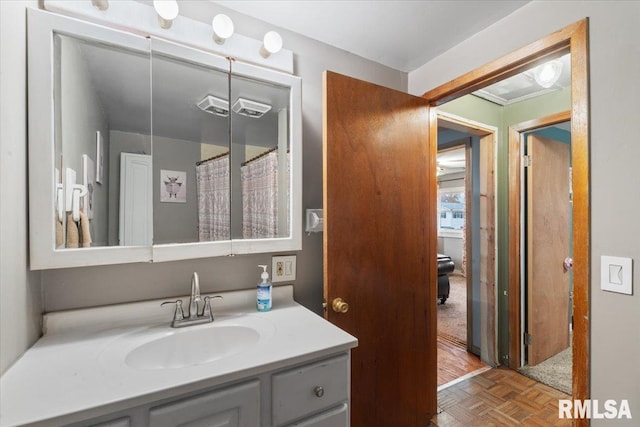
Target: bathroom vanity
point(124, 365)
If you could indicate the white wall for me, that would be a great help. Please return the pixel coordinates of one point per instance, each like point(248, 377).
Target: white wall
point(614, 70)
point(20, 293)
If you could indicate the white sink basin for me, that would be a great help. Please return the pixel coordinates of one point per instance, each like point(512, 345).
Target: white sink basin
point(162, 347)
point(192, 347)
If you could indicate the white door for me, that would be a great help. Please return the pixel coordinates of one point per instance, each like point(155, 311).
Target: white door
point(136, 200)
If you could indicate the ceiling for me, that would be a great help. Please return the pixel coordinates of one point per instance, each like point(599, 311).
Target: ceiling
point(129, 90)
point(401, 34)
point(451, 161)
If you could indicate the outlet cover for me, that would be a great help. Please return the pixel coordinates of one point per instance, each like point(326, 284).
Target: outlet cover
point(283, 268)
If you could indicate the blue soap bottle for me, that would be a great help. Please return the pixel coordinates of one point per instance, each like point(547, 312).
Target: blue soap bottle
point(264, 300)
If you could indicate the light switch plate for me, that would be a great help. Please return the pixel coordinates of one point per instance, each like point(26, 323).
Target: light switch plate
point(283, 268)
point(616, 274)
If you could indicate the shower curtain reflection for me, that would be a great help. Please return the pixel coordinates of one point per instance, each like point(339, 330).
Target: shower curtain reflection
point(212, 178)
point(259, 178)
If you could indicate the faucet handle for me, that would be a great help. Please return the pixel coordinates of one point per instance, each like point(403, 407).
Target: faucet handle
point(206, 311)
point(179, 314)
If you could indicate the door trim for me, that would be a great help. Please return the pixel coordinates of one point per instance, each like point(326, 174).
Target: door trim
point(573, 38)
point(515, 227)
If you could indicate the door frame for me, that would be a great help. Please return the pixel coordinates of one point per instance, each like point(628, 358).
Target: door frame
point(516, 228)
point(574, 39)
point(488, 152)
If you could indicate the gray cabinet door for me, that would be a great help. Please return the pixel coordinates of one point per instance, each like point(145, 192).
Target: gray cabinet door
point(237, 406)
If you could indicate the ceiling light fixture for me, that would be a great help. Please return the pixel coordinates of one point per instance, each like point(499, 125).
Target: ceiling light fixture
point(100, 4)
point(250, 108)
point(547, 74)
point(167, 11)
point(222, 28)
point(213, 105)
point(272, 43)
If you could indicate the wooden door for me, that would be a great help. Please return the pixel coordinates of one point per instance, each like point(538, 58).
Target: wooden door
point(379, 246)
point(548, 245)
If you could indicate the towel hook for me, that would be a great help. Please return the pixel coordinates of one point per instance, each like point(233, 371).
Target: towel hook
point(78, 191)
point(60, 201)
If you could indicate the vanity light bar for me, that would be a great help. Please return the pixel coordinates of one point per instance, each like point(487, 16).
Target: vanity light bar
point(250, 108)
point(142, 18)
point(213, 105)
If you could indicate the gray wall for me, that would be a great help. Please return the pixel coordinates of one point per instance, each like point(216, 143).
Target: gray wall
point(20, 290)
point(614, 92)
point(175, 222)
point(91, 286)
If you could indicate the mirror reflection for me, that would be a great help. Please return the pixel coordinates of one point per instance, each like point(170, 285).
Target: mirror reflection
point(148, 150)
point(260, 160)
point(190, 151)
point(102, 94)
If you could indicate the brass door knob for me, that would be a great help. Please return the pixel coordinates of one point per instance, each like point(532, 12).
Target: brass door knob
point(339, 306)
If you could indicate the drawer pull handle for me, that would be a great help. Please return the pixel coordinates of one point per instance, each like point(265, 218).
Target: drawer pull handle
point(318, 391)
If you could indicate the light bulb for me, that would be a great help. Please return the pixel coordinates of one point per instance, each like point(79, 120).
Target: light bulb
point(547, 74)
point(222, 28)
point(167, 11)
point(100, 4)
point(272, 43)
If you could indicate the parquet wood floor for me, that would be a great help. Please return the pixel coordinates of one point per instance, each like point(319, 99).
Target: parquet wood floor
point(499, 397)
point(454, 361)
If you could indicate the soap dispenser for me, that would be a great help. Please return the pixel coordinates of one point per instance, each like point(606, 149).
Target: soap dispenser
point(264, 291)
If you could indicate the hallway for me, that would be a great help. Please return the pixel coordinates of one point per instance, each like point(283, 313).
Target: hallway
point(499, 397)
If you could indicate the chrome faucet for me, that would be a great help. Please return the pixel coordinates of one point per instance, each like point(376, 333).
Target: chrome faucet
point(194, 316)
point(195, 296)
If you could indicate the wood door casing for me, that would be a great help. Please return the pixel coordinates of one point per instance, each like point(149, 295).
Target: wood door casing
point(548, 245)
point(379, 246)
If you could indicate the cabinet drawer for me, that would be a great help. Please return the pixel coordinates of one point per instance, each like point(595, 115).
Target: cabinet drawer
point(237, 406)
point(120, 422)
point(337, 417)
point(309, 388)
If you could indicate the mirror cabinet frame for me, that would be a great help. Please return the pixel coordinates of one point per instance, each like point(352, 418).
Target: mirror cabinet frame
point(42, 27)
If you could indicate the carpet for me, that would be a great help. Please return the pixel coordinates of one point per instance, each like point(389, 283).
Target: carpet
point(554, 372)
point(452, 315)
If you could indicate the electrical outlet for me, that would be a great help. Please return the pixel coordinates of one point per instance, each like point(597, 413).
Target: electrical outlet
point(283, 268)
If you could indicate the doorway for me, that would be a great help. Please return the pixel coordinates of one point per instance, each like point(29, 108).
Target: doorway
point(541, 280)
point(573, 39)
point(466, 188)
point(383, 263)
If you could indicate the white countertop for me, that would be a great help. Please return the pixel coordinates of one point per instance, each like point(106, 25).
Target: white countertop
point(76, 370)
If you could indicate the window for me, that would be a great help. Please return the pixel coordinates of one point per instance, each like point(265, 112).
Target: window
point(451, 207)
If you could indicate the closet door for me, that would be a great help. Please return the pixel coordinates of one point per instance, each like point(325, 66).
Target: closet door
point(136, 200)
point(548, 245)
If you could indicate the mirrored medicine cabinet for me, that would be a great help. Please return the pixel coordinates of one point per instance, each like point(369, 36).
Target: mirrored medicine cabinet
point(141, 149)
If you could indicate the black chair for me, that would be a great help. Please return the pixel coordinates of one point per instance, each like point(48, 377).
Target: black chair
point(445, 266)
